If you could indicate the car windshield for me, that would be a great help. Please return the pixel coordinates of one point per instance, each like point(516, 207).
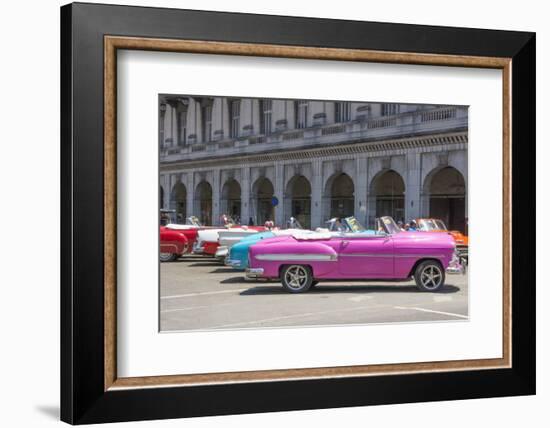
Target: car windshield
point(440, 225)
point(348, 224)
point(387, 225)
point(193, 221)
point(427, 225)
point(353, 224)
point(293, 223)
point(335, 225)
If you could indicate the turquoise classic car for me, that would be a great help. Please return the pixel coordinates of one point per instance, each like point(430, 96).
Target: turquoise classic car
point(238, 254)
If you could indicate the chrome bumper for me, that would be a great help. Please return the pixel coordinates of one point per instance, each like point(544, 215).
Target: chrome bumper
point(221, 252)
point(232, 263)
point(455, 269)
point(197, 249)
point(253, 273)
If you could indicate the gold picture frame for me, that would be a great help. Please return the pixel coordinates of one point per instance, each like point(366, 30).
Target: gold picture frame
point(114, 43)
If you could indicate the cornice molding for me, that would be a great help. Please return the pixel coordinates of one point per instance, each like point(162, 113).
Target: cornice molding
point(300, 154)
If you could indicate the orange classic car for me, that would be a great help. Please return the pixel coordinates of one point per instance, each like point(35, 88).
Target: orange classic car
point(437, 225)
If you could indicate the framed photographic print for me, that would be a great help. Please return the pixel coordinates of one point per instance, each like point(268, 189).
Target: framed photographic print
point(266, 213)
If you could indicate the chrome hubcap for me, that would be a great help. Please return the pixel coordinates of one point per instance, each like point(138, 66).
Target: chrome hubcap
point(431, 277)
point(296, 277)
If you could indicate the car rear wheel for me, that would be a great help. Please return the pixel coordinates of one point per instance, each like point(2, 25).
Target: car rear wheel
point(168, 257)
point(296, 278)
point(429, 276)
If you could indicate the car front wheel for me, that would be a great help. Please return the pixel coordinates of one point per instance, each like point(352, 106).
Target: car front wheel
point(429, 276)
point(168, 257)
point(296, 278)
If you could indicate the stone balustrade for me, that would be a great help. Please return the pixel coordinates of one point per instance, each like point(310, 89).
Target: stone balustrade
point(442, 119)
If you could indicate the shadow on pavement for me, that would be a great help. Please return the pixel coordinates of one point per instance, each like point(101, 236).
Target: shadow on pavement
point(222, 270)
point(242, 280)
point(321, 289)
point(206, 264)
point(190, 259)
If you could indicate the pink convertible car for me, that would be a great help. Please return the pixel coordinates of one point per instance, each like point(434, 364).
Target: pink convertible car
point(301, 261)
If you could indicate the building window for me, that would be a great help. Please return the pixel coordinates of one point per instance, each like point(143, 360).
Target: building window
point(182, 128)
point(301, 110)
point(342, 112)
point(235, 117)
point(265, 116)
point(390, 109)
point(207, 123)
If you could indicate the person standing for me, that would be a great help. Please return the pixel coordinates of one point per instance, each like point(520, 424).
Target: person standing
point(164, 219)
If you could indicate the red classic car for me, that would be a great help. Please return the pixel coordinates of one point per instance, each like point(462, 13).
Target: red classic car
point(189, 233)
point(173, 244)
point(190, 229)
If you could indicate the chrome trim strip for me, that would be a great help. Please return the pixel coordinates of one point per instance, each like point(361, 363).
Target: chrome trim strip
point(359, 235)
point(455, 270)
point(330, 257)
point(366, 255)
point(168, 245)
point(301, 257)
point(390, 255)
point(434, 256)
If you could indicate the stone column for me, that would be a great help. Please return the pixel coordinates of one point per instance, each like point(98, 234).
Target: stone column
point(317, 194)
point(255, 114)
point(192, 125)
point(170, 180)
point(174, 126)
point(216, 196)
point(279, 193)
point(279, 121)
point(413, 186)
point(167, 125)
point(225, 119)
point(361, 184)
point(329, 112)
point(190, 183)
point(198, 123)
point(245, 194)
point(246, 117)
point(290, 114)
point(165, 184)
point(217, 119)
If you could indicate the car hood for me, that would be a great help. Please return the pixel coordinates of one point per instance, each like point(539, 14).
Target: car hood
point(442, 239)
point(209, 234)
point(256, 237)
point(175, 226)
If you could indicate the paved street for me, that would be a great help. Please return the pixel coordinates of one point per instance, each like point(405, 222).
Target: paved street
point(197, 294)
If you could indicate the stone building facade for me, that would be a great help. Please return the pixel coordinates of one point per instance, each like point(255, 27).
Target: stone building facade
point(269, 159)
